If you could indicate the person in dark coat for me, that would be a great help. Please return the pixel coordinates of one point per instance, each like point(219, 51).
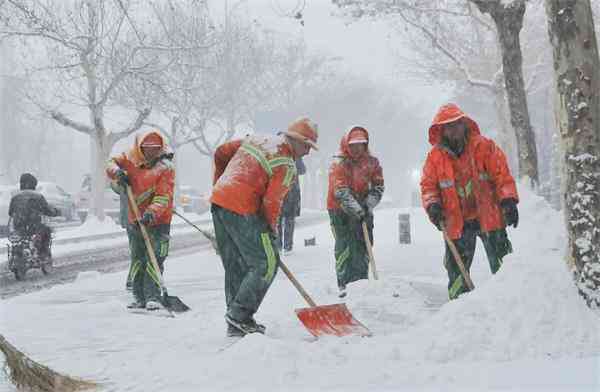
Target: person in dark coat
point(289, 211)
point(356, 187)
point(26, 210)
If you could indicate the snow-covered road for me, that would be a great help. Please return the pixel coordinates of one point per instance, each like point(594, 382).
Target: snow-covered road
point(522, 329)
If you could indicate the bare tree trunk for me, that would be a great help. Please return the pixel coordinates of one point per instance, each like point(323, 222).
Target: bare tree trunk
point(99, 155)
point(506, 137)
point(4, 164)
point(577, 77)
point(557, 158)
point(557, 168)
point(508, 17)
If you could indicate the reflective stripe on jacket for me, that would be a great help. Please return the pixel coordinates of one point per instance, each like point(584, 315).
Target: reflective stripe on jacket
point(253, 176)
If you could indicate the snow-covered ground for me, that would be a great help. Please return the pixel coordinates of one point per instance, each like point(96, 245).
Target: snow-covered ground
point(523, 329)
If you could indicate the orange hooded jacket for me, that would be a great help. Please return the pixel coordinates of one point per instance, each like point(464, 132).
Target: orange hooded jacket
point(362, 176)
point(481, 175)
point(253, 175)
point(152, 186)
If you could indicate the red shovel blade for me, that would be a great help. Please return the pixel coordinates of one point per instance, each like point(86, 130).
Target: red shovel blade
point(333, 319)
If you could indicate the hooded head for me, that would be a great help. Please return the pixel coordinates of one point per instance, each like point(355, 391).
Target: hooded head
point(148, 148)
point(449, 113)
point(28, 181)
point(355, 143)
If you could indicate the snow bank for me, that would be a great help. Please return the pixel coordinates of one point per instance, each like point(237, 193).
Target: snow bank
point(530, 308)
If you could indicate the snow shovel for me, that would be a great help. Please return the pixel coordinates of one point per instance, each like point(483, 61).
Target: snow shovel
point(170, 302)
point(333, 319)
point(458, 259)
point(370, 251)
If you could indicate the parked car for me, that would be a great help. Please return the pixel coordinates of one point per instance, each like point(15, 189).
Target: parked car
point(6, 193)
point(83, 199)
point(58, 198)
point(192, 200)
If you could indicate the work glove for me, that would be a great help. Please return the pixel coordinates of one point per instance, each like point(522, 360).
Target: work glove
point(147, 218)
point(368, 220)
point(434, 211)
point(370, 204)
point(357, 215)
point(368, 214)
point(122, 178)
point(510, 212)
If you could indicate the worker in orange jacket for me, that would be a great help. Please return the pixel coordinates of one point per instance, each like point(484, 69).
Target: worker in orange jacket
point(467, 189)
point(148, 170)
point(251, 179)
point(356, 186)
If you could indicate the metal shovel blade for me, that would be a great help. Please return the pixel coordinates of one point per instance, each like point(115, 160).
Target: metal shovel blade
point(333, 319)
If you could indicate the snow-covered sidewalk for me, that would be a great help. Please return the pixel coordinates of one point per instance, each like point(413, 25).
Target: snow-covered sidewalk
point(522, 329)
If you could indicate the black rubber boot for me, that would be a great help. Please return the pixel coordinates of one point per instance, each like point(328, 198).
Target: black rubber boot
point(234, 332)
point(249, 326)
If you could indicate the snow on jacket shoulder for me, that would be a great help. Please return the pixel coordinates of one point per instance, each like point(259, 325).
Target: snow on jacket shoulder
point(253, 176)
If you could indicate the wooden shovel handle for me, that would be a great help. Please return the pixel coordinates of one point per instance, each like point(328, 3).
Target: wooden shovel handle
point(297, 284)
point(370, 250)
point(458, 259)
point(149, 247)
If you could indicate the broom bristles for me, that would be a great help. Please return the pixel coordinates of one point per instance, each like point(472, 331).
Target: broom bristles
point(26, 373)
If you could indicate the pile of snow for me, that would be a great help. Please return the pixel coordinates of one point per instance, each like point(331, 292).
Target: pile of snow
point(530, 308)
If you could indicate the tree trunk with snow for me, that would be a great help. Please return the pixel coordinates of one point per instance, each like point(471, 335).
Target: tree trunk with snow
point(556, 168)
point(99, 157)
point(577, 77)
point(506, 138)
point(508, 18)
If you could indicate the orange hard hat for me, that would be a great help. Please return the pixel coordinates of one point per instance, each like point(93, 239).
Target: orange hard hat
point(305, 131)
